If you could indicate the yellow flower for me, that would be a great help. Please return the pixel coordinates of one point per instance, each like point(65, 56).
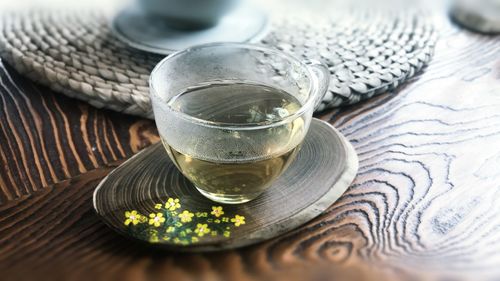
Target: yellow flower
point(202, 229)
point(158, 206)
point(186, 216)
point(172, 204)
point(156, 219)
point(170, 229)
point(217, 211)
point(194, 239)
point(238, 220)
point(132, 217)
point(227, 233)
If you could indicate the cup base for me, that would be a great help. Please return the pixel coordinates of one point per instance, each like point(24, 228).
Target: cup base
point(145, 32)
point(228, 199)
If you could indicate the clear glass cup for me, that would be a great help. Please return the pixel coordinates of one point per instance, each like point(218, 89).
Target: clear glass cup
point(232, 116)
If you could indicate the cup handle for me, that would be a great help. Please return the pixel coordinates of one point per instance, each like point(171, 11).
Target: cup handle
point(322, 80)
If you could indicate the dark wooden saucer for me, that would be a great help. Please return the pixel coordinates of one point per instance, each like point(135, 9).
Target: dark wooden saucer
point(148, 199)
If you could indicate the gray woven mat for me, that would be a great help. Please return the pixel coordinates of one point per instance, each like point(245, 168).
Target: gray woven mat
point(74, 53)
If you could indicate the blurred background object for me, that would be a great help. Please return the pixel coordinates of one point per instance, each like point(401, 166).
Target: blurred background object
point(477, 15)
point(189, 14)
point(163, 27)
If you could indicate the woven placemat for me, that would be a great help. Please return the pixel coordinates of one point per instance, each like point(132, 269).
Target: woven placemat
point(74, 52)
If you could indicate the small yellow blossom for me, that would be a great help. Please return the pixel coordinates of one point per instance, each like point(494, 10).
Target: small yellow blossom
point(186, 216)
point(217, 211)
point(170, 229)
point(156, 219)
point(238, 220)
point(227, 233)
point(158, 206)
point(172, 204)
point(194, 239)
point(132, 217)
point(202, 229)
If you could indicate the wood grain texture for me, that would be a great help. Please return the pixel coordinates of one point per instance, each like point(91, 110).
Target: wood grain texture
point(425, 205)
point(45, 138)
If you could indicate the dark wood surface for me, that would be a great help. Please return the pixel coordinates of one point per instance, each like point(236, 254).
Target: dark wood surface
point(425, 204)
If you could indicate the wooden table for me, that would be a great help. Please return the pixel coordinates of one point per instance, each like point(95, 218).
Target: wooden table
point(426, 201)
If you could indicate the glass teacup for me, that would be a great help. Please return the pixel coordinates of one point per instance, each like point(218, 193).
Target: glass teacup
point(232, 117)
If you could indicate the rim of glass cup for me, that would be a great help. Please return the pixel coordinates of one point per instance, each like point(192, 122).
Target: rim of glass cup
point(224, 125)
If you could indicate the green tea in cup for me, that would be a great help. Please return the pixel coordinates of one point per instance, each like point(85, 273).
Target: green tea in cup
point(232, 117)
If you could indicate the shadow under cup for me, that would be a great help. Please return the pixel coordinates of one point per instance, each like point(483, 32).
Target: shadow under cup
point(232, 116)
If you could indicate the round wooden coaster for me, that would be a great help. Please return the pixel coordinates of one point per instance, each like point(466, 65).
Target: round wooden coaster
point(148, 199)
